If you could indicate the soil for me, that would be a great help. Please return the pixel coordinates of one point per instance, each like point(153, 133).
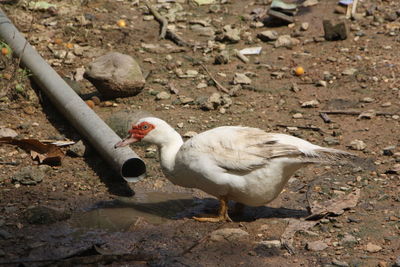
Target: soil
point(93, 217)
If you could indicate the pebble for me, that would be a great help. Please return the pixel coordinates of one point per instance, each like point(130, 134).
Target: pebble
point(348, 239)
point(316, 245)
point(340, 263)
point(267, 36)
point(230, 234)
point(31, 175)
point(310, 104)
point(270, 244)
point(331, 141)
point(388, 151)
point(297, 116)
point(7, 132)
point(201, 85)
point(367, 100)
point(4, 234)
point(222, 57)
point(349, 71)
point(163, 95)
point(304, 26)
point(321, 83)
point(189, 134)
point(241, 78)
point(357, 145)
point(78, 149)
point(372, 248)
point(286, 41)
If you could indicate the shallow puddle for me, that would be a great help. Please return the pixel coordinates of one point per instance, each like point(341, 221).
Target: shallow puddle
point(124, 213)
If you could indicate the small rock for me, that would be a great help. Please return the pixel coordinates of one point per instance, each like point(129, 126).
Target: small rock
point(388, 151)
point(286, 41)
point(321, 83)
point(340, 263)
point(369, 114)
point(31, 175)
point(270, 244)
point(44, 215)
point(331, 141)
point(222, 57)
point(310, 104)
point(316, 245)
point(203, 31)
point(391, 16)
point(4, 234)
point(334, 32)
point(267, 36)
point(230, 35)
point(78, 149)
point(395, 169)
point(163, 95)
point(382, 264)
point(185, 99)
point(367, 100)
point(309, 3)
point(348, 240)
point(349, 71)
point(230, 234)
point(189, 134)
point(372, 248)
point(241, 78)
point(386, 104)
point(304, 26)
point(212, 102)
point(297, 116)
point(7, 132)
point(115, 75)
point(201, 85)
point(357, 145)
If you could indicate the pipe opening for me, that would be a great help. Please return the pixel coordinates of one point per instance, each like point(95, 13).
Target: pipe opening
point(133, 169)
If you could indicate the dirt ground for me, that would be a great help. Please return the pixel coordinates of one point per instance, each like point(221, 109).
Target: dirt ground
point(82, 213)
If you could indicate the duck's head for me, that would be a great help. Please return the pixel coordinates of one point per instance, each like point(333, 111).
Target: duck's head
point(150, 129)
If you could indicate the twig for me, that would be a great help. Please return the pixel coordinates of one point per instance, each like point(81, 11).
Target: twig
point(218, 85)
point(162, 20)
point(165, 33)
point(242, 57)
point(353, 112)
point(312, 128)
point(325, 117)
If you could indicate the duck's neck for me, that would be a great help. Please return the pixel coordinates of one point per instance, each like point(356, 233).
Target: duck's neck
point(169, 149)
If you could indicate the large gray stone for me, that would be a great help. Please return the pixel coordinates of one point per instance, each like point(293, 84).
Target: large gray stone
point(115, 75)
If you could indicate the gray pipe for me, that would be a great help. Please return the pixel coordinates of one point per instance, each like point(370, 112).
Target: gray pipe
point(84, 119)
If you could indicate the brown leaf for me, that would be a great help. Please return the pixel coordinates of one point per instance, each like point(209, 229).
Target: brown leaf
point(334, 206)
point(45, 153)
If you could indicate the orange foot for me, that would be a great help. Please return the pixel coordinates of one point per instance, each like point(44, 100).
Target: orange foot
point(222, 213)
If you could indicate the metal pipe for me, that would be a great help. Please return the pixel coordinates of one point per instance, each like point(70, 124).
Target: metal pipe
point(84, 119)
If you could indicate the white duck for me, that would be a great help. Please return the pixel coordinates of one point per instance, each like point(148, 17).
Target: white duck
point(247, 165)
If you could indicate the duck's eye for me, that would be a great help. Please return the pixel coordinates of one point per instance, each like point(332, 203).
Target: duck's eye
point(145, 127)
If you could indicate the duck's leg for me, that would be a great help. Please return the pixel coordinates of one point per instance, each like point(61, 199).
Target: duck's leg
point(222, 213)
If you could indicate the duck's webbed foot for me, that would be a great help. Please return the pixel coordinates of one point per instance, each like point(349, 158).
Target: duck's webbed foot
point(222, 213)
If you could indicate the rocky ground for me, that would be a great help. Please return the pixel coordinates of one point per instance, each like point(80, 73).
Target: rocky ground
point(81, 212)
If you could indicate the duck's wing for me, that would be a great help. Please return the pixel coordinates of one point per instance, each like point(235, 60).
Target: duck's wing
point(245, 149)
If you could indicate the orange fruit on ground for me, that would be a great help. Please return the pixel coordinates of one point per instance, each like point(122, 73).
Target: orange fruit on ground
point(58, 41)
point(299, 71)
point(121, 23)
point(5, 51)
point(90, 103)
point(69, 45)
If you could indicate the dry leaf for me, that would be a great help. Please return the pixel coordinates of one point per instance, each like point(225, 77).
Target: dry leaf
point(334, 206)
point(45, 153)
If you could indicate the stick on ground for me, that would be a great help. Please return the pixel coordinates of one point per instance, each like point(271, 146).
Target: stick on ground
point(165, 33)
point(219, 86)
